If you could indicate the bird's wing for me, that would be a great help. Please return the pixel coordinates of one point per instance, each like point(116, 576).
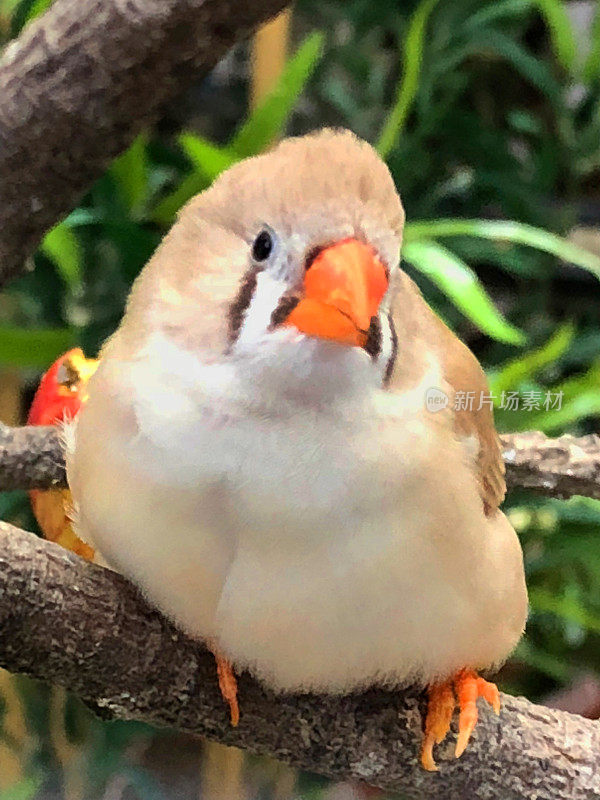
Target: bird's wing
point(464, 381)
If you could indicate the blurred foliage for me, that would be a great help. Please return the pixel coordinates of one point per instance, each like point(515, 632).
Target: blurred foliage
point(488, 114)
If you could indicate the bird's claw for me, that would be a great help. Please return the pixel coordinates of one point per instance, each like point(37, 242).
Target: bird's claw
point(437, 723)
point(228, 687)
point(463, 689)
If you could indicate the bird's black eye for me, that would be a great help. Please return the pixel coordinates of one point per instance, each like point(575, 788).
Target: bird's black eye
point(263, 246)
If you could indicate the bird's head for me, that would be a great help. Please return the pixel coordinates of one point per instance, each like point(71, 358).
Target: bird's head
point(284, 266)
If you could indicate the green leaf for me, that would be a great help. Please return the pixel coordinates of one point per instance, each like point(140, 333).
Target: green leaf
point(572, 410)
point(491, 13)
point(458, 281)
point(502, 231)
point(38, 7)
point(130, 173)
point(9, 6)
point(583, 511)
point(61, 246)
point(536, 657)
point(566, 607)
point(10, 505)
point(208, 161)
point(591, 68)
point(165, 212)
point(34, 347)
point(80, 217)
point(414, 44)
point(561, 31)
point(207, 158)
point(577, 397)
point(533, 69)
point(267, 122)
point(23, 790)
point(511, 374)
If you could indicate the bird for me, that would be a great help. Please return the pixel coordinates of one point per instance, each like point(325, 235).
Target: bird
point(258, 455)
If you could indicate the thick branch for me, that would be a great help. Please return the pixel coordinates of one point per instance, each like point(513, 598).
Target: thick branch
point(81, 81)
point(560, 467)
point(86, 628)
point(563, 467)
point(30, 457)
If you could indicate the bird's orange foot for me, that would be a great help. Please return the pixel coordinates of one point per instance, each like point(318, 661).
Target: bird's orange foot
point(469, 686)
point(440, 707)
point(442, 700)
point(228, 687)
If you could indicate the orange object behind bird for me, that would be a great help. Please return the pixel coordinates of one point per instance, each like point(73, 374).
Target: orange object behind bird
point(60, 395)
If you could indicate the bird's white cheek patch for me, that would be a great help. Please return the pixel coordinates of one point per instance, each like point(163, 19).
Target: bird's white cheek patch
point(257, 318)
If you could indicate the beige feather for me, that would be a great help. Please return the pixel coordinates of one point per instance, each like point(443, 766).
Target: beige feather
point(325, 532)
point(461, 372)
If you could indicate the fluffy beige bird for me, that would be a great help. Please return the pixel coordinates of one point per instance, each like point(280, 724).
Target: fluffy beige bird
point(257, 453)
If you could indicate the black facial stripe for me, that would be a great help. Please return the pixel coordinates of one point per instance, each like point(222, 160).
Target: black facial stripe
point(392, 359)
point(284, 308)
point(235, 314)
point(373, 343)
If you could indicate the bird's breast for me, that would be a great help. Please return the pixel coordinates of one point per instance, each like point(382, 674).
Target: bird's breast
point(291, 480)
point(321, 550)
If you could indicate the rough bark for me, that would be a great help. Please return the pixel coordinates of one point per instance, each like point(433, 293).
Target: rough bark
point(81, 82)
point(32, 459)
point(86, 628)
point(560, 467)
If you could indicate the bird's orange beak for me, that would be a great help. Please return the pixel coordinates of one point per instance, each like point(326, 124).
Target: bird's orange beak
point(343, 288)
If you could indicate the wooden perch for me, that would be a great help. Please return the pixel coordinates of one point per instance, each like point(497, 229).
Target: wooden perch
point(31, 457)
point(80, 82)
point(560, 467)
point(86, 628)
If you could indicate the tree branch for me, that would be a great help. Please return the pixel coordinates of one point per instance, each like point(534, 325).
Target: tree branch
point(86, 628)
point(78, 85)
point(561, 467)
point(31, 458)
